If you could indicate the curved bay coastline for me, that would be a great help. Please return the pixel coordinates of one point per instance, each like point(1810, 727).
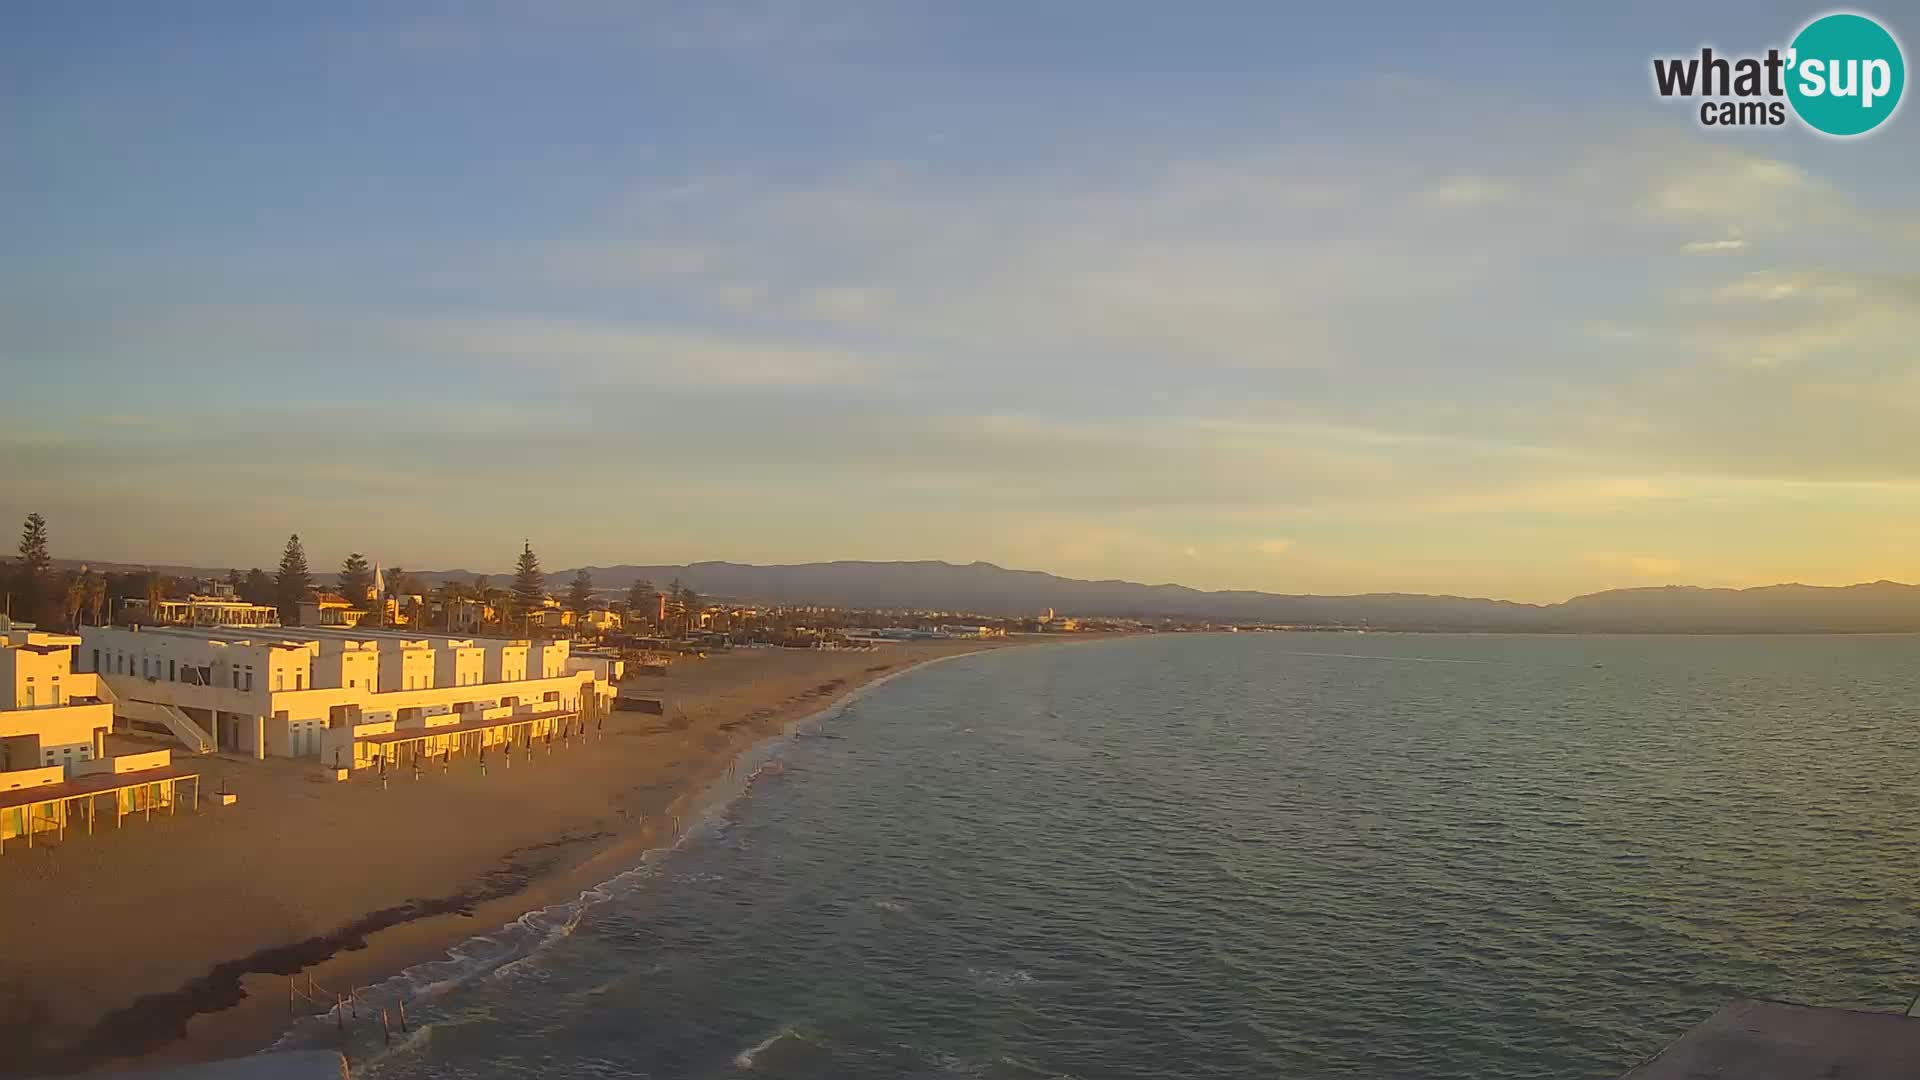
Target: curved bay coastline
point(1580, 844)
point(198, 924)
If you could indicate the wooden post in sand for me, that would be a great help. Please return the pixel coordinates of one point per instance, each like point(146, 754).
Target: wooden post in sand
point(290, 993)
point(403, 1017)
point(385, 1031)
point(339, 1012)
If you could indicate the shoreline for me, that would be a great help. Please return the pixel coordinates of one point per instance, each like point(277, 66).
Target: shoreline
point(239, 1003)
point(633, 854)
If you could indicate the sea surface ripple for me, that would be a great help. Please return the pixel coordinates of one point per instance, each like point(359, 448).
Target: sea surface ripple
point(1248, 856)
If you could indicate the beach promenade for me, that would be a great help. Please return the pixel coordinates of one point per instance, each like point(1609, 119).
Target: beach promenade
point(175, 940)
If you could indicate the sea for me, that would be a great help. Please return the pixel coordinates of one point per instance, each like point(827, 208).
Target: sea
point(1253, 855)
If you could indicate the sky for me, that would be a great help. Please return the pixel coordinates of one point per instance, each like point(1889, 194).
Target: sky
point(1302, 298)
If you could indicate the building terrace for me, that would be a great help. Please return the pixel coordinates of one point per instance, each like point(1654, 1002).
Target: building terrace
point(280, 691)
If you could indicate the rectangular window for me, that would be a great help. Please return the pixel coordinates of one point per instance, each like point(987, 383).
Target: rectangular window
point(172, 674)
point(299, 680)
point(279, 680)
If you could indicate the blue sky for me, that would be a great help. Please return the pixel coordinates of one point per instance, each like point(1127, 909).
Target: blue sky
point(1345, 298)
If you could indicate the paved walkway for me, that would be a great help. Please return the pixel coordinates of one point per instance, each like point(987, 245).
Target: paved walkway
point(1770, 1040)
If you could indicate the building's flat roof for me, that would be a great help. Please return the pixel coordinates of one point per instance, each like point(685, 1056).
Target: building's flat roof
point(226, 635)
point(416, 734)
point(97, 784)
point(370, 633)
point(1772, 1040)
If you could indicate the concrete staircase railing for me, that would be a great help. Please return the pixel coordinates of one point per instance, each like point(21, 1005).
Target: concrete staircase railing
point(153, 712)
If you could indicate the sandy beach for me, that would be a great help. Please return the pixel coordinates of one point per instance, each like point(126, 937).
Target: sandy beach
point(174, 940)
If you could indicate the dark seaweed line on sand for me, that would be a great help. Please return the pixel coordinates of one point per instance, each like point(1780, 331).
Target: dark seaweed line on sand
point(155, 1020)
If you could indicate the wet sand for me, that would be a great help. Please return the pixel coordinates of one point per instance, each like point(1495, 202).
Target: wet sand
point(175, 939)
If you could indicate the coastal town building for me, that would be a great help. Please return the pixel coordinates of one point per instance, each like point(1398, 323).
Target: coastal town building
point(51, 717)
point(468, 616)
point(329, 609)
point(320, 692)
point(601, 620)
point(221, 608)
point(54, 722)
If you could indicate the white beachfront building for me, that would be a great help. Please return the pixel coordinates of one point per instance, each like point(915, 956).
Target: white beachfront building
point(222, 608)
point(50, 715)
point(316, 692)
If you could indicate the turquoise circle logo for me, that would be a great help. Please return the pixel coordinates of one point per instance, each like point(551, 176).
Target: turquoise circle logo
point(1846, 74)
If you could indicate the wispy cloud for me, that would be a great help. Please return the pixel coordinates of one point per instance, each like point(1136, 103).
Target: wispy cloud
point(1465, 193)
point(1727, 246)
point(615, 352)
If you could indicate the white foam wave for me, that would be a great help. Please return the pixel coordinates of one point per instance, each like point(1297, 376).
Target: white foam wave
point(745, 1058)
point(501, 951)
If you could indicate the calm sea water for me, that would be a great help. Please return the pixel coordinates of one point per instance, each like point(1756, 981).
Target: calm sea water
point(1256, 856)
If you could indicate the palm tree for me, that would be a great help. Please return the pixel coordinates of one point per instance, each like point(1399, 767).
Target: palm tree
point(643, 601)
point(154, 595)
point(396, 588)
point(76, 599)
point(690, 605)
point(501, 601)
point(96, 595)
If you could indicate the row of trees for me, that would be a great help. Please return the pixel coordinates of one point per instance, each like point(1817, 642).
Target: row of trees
point(38, 593)
point(681, 613)
point(359, 583)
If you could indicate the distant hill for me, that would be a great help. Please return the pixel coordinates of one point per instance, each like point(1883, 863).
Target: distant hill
point(1882, 606)
point(986, 589)
point(1875, 607)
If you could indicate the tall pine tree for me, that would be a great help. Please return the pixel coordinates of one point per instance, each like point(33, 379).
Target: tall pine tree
point(257, 588)
point(643, 602)
point(34, 575)
point(356, 578)
point(580, 593)
point(290, 585)
point(529, 584)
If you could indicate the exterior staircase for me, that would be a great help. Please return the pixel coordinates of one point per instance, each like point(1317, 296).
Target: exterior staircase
point(180, 724)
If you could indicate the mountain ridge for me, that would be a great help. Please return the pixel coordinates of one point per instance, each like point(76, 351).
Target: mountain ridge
point(986, 588)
